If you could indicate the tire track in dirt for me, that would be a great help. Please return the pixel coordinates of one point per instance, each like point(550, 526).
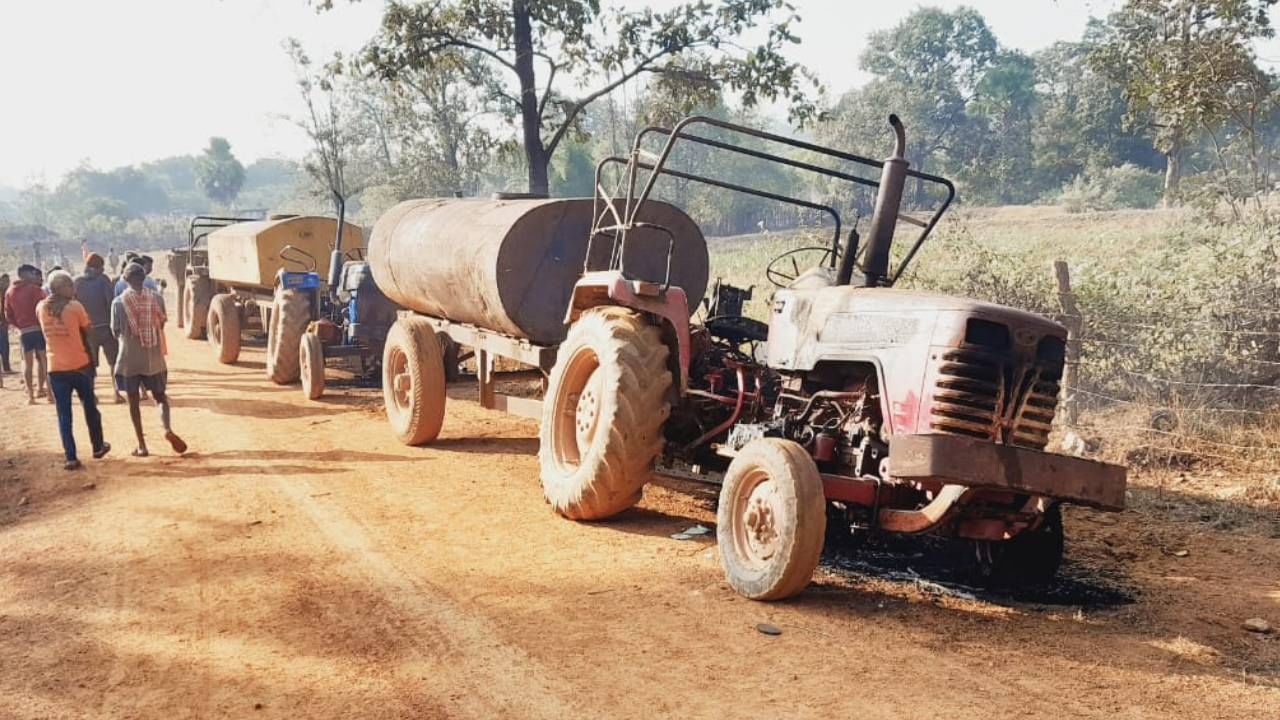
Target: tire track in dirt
point(457, 647)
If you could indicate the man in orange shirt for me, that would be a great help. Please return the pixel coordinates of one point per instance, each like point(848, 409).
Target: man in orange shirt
point(66, 325)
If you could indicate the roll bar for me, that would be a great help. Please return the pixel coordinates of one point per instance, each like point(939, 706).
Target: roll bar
point(608, 220)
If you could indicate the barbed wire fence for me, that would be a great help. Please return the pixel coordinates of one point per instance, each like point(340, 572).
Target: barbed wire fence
point(1164, 389)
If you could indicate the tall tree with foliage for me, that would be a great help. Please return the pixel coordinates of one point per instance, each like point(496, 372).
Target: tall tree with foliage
point(331, 123)
point(430, 125)
point(219, 173)
point(931, 69)
point(1177, 61)
point(1080, 118)
point(554, 58)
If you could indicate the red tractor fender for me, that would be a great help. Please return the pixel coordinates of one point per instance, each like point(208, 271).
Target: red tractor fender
point(670, 306)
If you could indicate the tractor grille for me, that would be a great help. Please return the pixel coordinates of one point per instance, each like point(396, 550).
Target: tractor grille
point(997, 396)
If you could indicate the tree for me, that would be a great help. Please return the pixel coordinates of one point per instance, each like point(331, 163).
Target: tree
point(219, 173)
point(928, 69)
point(999, 167)
point(429, 125)
point(1177, 60)
point(1080, 118)
point(332, 123)
point(576, 43)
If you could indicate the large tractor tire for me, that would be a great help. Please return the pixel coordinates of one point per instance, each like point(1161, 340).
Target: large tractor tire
point(311, 355)
point(290, 314)
point(223, 328)
point(771, 520)
point(195, 305)
point(413, 386)
point(603, 413)
point(1030, 558)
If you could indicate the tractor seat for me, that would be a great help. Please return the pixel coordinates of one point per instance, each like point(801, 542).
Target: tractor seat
point(355, 277)
point(737, 329)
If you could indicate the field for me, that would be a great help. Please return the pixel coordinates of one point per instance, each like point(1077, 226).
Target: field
point(300, 562)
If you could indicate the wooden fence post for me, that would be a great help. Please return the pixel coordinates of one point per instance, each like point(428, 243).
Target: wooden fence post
point(1075, 322)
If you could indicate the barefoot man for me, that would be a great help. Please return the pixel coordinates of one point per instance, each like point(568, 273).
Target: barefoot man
point(20, 302)
point(137, 319)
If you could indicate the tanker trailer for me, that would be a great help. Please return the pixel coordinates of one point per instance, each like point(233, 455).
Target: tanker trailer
point(259, 273)
point(497, 276)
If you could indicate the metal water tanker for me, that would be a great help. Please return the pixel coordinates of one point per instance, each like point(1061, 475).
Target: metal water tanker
point(510, 265)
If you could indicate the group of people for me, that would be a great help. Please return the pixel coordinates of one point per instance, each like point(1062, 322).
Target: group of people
point(65, 326)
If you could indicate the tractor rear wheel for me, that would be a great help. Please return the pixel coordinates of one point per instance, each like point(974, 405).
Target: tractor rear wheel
point(413, 387)
point(1030, 558)
point(290, 313)
point(223, 328)
point(195, 306)
point(603, 413)
point(771, 520)
point(311, 356)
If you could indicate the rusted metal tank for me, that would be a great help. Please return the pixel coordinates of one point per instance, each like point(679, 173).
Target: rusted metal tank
point(250, 253)
point(510, 265)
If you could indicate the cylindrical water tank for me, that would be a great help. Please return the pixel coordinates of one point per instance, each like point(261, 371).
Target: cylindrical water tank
point(510, 265)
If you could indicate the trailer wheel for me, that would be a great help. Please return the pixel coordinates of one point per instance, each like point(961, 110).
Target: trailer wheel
point(771, 520)
point(311, 356)
point(223, 328)
point(413, 381)
point(1030, 558)
point(195, 307)
point(290, 313)
point(603, 414)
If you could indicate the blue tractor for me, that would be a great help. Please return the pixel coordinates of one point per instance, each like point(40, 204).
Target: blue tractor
point(351, 320)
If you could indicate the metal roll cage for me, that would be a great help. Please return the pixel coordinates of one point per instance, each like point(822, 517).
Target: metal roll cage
point(609, 222)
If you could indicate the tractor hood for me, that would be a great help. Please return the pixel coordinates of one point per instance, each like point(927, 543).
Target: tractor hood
point(807, 326)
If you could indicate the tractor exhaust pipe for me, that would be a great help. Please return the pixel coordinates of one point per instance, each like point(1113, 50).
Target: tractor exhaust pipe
point(335, 257)
point(884, 220)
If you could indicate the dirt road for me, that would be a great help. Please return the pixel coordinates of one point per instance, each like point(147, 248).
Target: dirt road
point(301, 563)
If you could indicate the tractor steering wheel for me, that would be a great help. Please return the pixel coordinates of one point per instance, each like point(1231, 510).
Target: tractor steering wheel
point(784, 269)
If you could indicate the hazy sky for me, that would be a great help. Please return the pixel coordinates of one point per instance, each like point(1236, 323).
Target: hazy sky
point(115, 82)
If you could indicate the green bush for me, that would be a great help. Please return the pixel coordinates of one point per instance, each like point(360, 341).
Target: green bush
point(1125, 186)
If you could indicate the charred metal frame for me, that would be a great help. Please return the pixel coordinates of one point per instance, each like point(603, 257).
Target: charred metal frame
point(617, 227)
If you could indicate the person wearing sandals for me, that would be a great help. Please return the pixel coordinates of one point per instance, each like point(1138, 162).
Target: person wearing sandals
point(137, 319)
point(65, 324)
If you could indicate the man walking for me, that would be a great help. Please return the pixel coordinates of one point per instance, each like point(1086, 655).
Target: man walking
point(137, 319)
point(95, 291)
point(65, 326)
point(20, 311)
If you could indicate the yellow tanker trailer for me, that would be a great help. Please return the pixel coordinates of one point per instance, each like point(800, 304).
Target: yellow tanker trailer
point(241, 278)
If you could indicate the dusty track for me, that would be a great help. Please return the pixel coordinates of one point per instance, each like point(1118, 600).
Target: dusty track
point(301, 563)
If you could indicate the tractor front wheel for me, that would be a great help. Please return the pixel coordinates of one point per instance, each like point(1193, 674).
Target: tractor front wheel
point(771, 520)
point(311, 356)
point(413, 387)
point(223, 328)
point(602, 418)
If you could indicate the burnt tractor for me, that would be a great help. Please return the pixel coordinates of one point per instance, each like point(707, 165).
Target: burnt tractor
point(856, 408)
